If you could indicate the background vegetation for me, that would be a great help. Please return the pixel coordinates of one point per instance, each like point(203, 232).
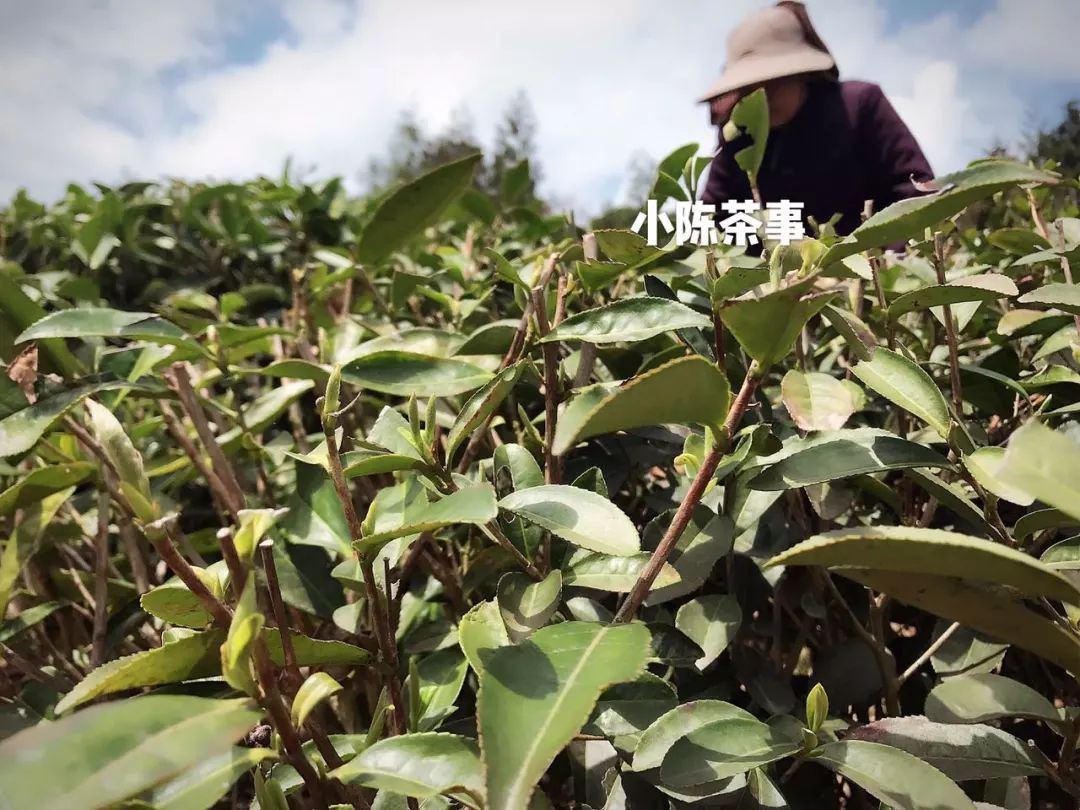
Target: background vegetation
point(433, 497)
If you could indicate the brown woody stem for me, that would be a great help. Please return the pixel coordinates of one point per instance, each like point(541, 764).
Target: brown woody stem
point(377, 608)
point(690, 501)
point(161, 534)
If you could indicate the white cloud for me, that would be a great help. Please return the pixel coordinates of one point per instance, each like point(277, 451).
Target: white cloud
point(131, 87)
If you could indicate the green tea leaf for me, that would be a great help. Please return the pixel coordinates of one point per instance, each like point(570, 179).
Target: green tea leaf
point(525, 605)
point(21, 430)
point(907, 219)
point(1065, 297)
point(108, 753)
point(41, 482)
point(990, 610)
point(906, 385)
point(961, 752)
point(986, 696)
point(617, 574)
point(86, 322)
point(406, 374)
point(410, 208)
point(816, 401)
point(982, 287)
point(839, 455)
point(722, 749)
point(1046, 465)
point(704, 399)
point(538, 694)
point(480, 406)
point(766, 327)
point(656, 741)
point(930, 551)
point(578, 516)
point(202, 785)
point(712, 622)
point(897, 778)
point(627, 320)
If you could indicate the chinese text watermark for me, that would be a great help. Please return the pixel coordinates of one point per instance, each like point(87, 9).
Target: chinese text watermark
point(696, 223)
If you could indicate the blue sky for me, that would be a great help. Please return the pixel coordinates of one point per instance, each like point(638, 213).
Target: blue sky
point(113, 89)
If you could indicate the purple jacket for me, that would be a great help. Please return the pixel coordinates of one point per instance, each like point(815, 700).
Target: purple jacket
point(846, 145)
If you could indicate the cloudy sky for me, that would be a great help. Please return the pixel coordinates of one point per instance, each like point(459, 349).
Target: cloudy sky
point(113, 89)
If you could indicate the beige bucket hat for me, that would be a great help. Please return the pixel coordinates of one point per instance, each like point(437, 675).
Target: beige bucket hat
point(768, 44)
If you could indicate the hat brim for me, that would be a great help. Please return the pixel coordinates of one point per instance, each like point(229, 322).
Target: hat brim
point(754, 69)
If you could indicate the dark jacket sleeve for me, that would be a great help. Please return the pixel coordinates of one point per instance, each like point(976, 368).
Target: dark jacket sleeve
point(893, 153)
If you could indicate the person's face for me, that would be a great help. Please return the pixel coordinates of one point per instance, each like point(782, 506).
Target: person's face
point(784, 95)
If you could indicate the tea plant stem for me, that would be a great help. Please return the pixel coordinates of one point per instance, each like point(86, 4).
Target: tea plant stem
point(950, 331)
point(180, 381)
point(176, 429)
point(237, 571)
point(693, 497)
point(551, 386)
point(275, 706)
point(31, 670)
point(939, 642)
point(101, 582)
point(161, 534)
point(377, 608)
point(277, 605)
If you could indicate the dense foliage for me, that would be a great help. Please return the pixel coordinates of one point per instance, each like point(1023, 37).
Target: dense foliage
point(433, 499)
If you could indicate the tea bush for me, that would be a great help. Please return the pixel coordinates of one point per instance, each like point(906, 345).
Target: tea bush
point(416, 501)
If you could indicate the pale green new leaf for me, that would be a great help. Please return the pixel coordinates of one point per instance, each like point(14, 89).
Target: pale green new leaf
point(480, 632)
point(318, 686)
point(474, 504)
point(193, 657)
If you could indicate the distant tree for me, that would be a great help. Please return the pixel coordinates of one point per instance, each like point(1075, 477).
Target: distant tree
point(1060, 143)
point(412, 151)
